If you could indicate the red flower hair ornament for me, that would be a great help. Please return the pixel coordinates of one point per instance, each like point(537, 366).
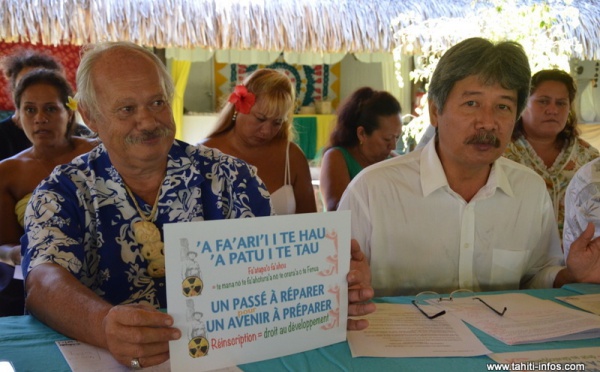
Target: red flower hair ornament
point(242, 99)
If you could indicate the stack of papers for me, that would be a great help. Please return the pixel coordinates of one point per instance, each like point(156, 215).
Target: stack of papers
point(402, 331)
point(590, 302)
point(527, 320)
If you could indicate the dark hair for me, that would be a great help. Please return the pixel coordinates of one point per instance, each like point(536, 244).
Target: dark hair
point(505, 63)
point(569, 132)
point(362, 109)
point(48, 77)
point(15, 63)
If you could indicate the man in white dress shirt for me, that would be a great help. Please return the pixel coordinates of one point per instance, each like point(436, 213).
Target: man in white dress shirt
point(455, 214)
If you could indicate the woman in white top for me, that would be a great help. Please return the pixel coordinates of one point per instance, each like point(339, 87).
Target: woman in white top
point(255, 125)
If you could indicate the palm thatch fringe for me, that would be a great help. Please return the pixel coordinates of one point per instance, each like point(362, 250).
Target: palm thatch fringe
point(326, 26)
point(575, 23)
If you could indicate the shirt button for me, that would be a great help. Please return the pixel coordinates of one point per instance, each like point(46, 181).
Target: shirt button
point(466, 245)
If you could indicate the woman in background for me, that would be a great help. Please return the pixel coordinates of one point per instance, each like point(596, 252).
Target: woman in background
point(546, 138)
point(367, 129)
point(255, 125)
point(41, 98)
point(12, 141)
point(12, 138)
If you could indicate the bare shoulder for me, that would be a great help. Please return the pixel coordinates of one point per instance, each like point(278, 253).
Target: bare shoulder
point(11, 168)
point(83, 145)
point(332, 156)
point(16, 161)
point(298, 161)
point(218, 142)
point(296, 152)
point(5, 170)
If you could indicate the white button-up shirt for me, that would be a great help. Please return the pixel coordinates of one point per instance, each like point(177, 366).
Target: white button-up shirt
point(420, 235)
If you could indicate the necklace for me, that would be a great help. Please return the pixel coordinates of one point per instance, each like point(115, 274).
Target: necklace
point(147, 234)
point(152, 214)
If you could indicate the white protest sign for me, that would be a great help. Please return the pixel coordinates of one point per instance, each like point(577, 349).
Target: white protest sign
point(244, 290)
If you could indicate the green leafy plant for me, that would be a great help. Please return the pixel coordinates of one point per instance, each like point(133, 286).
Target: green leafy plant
point(538, 27)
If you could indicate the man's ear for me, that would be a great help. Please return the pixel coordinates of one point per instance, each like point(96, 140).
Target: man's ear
point(433, 113)
point(87, 118)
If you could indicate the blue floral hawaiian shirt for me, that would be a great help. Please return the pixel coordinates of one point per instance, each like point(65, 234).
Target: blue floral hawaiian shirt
point(81, 216)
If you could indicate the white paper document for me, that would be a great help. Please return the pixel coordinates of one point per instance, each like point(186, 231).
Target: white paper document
point(527, 320)
point(83, 357)
point(250, 289)
point(578, 359)
point(402, 331)
point(590, 302)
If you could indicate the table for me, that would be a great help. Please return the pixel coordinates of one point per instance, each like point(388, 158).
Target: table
point(30, 346)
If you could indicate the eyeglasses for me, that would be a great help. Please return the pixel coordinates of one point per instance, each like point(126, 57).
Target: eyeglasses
point(423, 297)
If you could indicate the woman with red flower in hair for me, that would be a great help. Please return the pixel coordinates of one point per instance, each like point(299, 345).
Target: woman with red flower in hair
point(255, 125)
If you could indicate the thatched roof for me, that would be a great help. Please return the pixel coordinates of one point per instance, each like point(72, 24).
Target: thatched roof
point(277, 25)
point(576, 22)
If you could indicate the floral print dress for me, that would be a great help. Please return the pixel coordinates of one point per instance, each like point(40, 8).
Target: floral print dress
point(558, 176)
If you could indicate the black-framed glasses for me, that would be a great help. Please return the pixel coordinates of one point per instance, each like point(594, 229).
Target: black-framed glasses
point(423, 297)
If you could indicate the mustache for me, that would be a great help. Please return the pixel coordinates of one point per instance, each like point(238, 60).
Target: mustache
point(483, 137)
point(148, 135)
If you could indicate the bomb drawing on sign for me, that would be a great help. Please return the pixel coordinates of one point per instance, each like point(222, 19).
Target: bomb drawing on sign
point(198, 342)
point(190, 271)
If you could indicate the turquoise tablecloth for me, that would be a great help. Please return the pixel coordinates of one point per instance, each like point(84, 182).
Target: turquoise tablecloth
point(30, 346)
